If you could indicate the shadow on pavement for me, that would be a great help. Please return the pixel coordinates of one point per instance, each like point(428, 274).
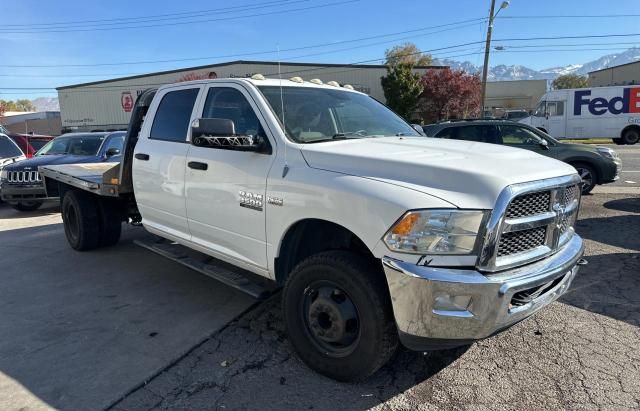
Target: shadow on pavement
point(6, 211)
point(79, 330)
point(629, 205)
point(618, 231)
point(608, 285)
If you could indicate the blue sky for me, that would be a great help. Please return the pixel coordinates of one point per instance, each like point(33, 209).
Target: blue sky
point(341, 20)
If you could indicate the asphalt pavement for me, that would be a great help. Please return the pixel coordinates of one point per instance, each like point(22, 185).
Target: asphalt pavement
point(630, 155)
point(79, 331)
point(580, 353)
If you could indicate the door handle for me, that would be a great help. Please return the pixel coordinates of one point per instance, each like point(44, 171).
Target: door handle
point(142, 156)
point(196, 165)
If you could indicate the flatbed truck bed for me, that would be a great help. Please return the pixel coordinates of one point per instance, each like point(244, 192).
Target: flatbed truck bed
point(98, 178)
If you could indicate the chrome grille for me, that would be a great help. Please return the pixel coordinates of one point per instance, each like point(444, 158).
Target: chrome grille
point(23, 177)
point(529, 204)
point(530, 221)
point(519, 241)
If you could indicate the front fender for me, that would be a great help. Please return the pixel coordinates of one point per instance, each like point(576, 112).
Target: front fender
point(366, 207)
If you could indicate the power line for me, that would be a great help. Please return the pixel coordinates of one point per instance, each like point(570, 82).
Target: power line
point(575, 16)
point(175, 15)
point(247, 54)
point(13, 31)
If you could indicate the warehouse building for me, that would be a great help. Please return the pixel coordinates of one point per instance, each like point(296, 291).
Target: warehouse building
point(514, 94)
point(622, 75)
point(106, 105)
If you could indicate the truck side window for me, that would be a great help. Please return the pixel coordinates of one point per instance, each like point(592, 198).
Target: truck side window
point(541, 109)
point(171, 121)
point(555, 108)
point(229, 103)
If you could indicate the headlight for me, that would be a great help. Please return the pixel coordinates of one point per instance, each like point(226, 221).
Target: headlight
point(436, 232)
point(3, 174)
point(607, 152)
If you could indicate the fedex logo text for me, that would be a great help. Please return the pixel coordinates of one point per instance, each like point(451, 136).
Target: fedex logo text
point(628, 103)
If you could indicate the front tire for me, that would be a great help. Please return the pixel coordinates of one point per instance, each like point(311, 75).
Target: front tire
point(27, 205)
point(81, 220)
point(338, 315)
point(588, 175)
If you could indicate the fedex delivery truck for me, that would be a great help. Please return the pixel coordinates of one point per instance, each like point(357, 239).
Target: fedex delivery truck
point(597, 112)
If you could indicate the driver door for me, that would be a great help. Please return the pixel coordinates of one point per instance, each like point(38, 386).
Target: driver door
point(219, 180)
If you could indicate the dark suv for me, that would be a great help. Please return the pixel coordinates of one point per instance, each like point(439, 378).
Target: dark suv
point(596, 165)
point(20, 183)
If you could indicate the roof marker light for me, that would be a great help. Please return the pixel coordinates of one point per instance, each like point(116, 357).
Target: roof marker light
point(348, 86)
point(258, 77)
point(296, 79)
point(333, 83)
point(316, 81)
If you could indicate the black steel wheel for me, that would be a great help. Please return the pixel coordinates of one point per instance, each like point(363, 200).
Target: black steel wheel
point(338, 315)
point(331, 318)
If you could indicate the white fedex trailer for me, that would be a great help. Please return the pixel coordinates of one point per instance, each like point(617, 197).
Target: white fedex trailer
point(597, 112)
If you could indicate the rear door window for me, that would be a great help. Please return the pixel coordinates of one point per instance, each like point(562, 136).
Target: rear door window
point(481, 133)
point(8, 149)
point(172, 118)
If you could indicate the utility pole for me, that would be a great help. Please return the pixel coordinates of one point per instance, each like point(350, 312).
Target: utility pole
point(487, 49)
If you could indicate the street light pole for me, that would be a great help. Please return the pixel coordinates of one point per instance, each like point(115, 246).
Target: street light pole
point(487, 49)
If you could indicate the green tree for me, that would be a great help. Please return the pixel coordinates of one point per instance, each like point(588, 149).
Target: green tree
point(8, 105)
point(570, 81)
point(402, 89)
point(407, 53)
point(25, 105)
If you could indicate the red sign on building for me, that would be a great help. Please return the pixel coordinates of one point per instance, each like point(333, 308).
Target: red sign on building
point(127, 101)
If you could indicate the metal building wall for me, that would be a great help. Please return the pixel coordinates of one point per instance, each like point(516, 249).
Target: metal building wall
point(99, 106)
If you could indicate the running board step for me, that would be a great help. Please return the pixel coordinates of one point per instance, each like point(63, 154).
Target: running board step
point(237, 278)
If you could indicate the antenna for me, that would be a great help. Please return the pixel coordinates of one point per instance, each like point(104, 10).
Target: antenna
point(285, 170)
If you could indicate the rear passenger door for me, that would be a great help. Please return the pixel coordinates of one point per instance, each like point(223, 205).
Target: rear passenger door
point(159, 162)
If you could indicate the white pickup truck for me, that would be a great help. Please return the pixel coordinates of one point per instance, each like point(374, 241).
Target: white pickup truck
point(377, 234)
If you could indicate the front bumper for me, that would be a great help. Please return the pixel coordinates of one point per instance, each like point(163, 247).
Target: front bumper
point(438, 308)
point(13, 193)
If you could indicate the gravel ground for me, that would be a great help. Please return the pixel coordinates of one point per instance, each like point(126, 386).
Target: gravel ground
point(579, 353)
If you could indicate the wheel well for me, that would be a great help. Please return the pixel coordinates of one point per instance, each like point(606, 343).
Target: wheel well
point(596, 172)
point(311, 236)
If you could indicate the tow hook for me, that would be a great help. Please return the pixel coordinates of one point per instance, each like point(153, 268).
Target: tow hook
point(582, 261)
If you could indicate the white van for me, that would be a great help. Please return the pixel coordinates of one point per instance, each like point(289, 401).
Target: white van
point(597, 112)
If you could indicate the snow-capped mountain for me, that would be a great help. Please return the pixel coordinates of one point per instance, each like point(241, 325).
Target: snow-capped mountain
point(46, 104)
point(518, 72)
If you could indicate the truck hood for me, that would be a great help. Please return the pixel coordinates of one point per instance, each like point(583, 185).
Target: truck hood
point(465, 174)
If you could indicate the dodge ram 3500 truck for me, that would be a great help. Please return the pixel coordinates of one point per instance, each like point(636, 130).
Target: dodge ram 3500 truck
point(378, 235)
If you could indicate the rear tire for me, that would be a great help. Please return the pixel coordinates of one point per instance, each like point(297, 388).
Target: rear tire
point(631, 136)
point(347, 331)
point(588, 175)
point(27, 205)
point(81, 220)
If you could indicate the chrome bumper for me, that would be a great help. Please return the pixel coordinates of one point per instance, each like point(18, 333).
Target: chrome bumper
point(443, 307)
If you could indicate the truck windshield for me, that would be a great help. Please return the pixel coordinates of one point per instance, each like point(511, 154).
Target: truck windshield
point(8, 149)
point(313, 115)
point(80, 145)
